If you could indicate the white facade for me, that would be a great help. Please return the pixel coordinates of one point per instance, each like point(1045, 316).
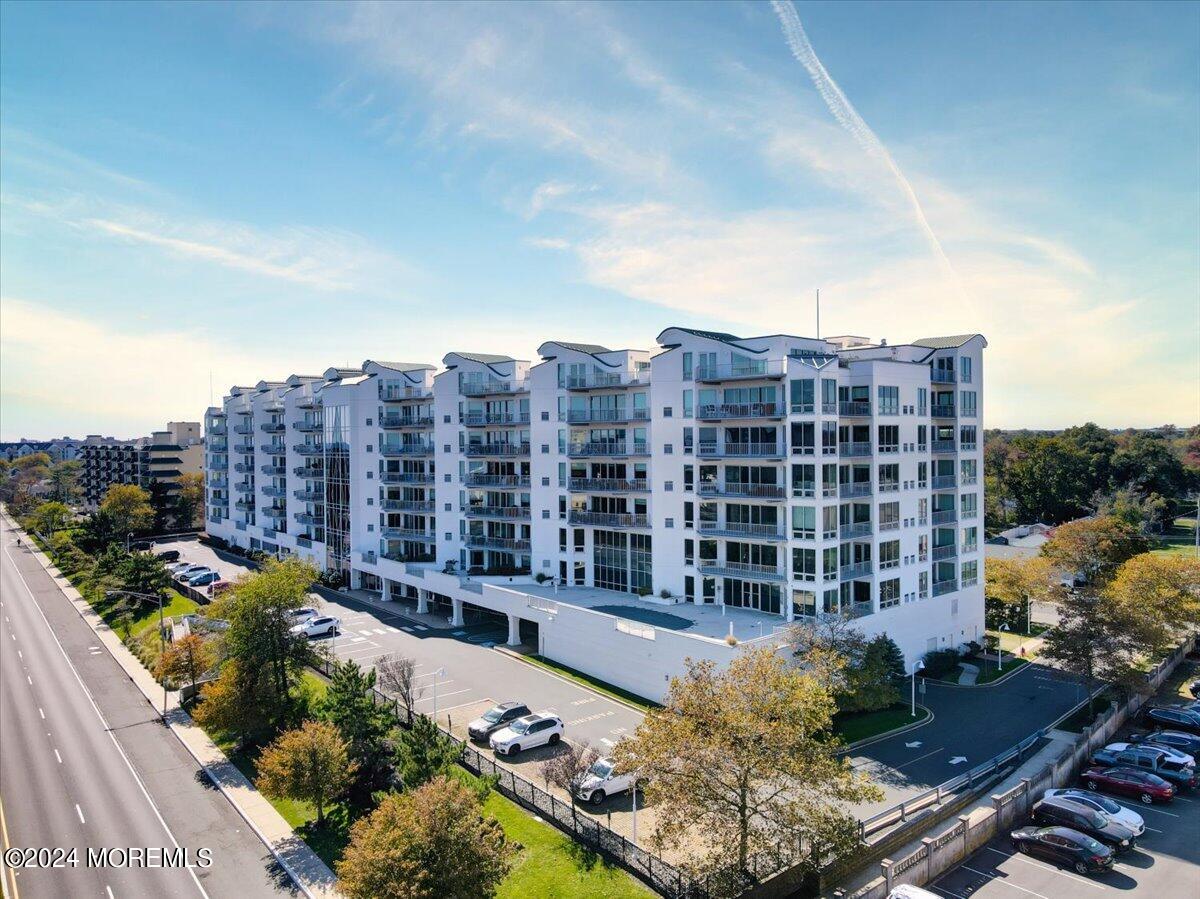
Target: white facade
point(777, 476)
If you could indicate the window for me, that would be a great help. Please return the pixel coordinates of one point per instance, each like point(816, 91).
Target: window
point(970, 574)
point(829, 438)
point(687, 366)
point(803, 438)
point(804, 603)
point(689, 551)
point(969, 471)
point(687, 404)
point(889, 593)
point(889, 554)
point(889, 516)
point(802, 480)
point(804, 563)
point(889, 439)
point(922, 474)
point(922, 400)
point(829, 564)
point(668, 486)
point(966, 440)
point(802, 396)
point(967, 406)
point(804, 522)
point(889, 477)
point(689, 515)
point(922, 437)
point(829, 522)
point(970, 540)
point(970, 505)
point(964, 369)
point(889, 400)
point(689, 477)
point(829, 397)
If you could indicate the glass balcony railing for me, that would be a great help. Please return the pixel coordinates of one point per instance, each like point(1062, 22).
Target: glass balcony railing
point(739, 450)
point(738, 371)
point(741, 530)
point(500, 481)
point(609, 485)
point(722, 411)
point(741, 570)
point(853, 489)
point(742, 491)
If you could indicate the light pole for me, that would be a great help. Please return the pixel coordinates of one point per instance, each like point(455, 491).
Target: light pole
point(918, 665)
point(439, 673)
point(161, 637)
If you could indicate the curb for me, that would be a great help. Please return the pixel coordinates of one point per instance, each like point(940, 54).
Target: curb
point(994, 683)
point(52, 570)
point(868, 741)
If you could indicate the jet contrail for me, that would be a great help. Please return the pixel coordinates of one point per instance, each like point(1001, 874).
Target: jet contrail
point(848, 117)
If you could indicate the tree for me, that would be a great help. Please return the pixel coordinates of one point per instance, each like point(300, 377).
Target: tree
point(1010, 585)
point(1093, 549)
point(144, 573)
point(48, 518)
point(877, 677)
point(187, 658)
point(64, 480)
point(1097, 447)
point(854, 669)
point(308, 764)
point(742, 762)
point(1143, 512)
point(1049, 480)
point(566, 768)
point(423, 752)
point(189, 501)
point(398, 677)
point(1147, 463)
point(430, 843)
point(99, 530)
point(129, 508)
point(349, 705)
point(1156, 598)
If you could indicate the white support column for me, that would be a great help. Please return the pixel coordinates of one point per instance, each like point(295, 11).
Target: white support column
point(514, 631)
point(422, 602)
point(456, 620)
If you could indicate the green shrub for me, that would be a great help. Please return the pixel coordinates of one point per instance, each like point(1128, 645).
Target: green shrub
point(940, 661)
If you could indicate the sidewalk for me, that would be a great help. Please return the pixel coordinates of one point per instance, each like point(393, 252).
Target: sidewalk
point(305, 867)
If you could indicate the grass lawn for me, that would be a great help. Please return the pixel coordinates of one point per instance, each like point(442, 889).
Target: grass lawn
point(592, 683)
point(991, 672)
point(1010, 640)
point(861, 725)
point(1180, 538)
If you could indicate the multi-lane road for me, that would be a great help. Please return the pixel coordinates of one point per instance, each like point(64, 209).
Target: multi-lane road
point(85, 763)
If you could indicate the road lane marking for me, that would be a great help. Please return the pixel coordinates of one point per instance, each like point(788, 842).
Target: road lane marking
point(57, 756)
point(997, 878)
point(394, 630)
point(40, 712)
point(108, 890)
point(30, 679)
point(1029, 861)
point(79, 812)
point(365, 633)
point(607, 742)
point(380, 630)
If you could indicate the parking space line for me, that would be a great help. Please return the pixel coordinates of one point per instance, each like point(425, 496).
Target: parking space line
point(394, 630)
point(1158, 811)
point(365, 633)
point(1030, 861)
point(442, 695)
point(451, 708)
point(996, 878)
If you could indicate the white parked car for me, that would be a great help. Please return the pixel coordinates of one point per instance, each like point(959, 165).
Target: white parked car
point(1127, 818)
point(601, 781)
point(191, 571)
point(320, 626)
point(176, 567)
point(1170, 753)
point(538, 729)
point(301, 615)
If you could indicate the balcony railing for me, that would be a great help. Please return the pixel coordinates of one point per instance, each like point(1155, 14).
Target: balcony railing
point(273, 449)
point(243, 467)
point(273, 427)
point(312, 473)
point(943, 446)
point(745, 491)
point(609, 485)
point(855, 530)
point(946, 516)
point(307, 427)
point(476, 419)
point(243, 486)
point(478, 450)
point(942, 410)
point(400, 556)
point(943, 481)
point(738, 371)
point(741, 529)
point(392, 450)
point(308, 402)
point(741, 570)
point(308, 449)
point(243, 429)
point(723, 411)
point(739, 450)
point(408, 505)
point(407, 477)
point(600, 380)
point(275, 471)
point(309, 496)
point(939, 553)
point(413, 534)
point(608, 519)
point(855, 449)
point(857, 570)
point(406, 421)
point(852, 489)
point(395, 394)
point(854, 408)
point(272, 490)
point(492, 387)
point(309, 518)
point(502, 481)
point(608, 448)
point(578, 416)
point(511, 513)
point(276, 512)
point(217, 430)
point(244, 505)
point(246, 449)
point(942, 587)
point(941, 376)
point(501, 544)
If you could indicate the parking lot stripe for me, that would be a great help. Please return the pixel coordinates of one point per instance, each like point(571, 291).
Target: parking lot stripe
point(996, 877)
point(451, 708)
point(1158, 811)
point(1030, 861)
point(442, 695)
point(394, 630)
point(365, 633)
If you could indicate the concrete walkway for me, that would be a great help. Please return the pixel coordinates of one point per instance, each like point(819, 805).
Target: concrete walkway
point(305, 867)
point(968, 675)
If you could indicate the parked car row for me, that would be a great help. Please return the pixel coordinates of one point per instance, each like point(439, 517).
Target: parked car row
point(196, 575)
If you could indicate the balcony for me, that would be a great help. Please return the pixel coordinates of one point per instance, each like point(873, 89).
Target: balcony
point(397, 393)
point(857, 570)
point(309, 496)
point(273, 427)
point(746, 571)
point(218, 446)
point(941, 376)
point(275, 471)
point(492, 387)
point(856, 449)
point(707, 449)
point(246, 449)
point(942, 447)
point(608, 448)
point(407, 505)
point(312, 473)
point(399, 556)
point(393, 450)
point(942, 410)
point(485, 450)
point(942, 587)
point(607, 519)
point(945, 516)
point(500, 544)
point(483, 419)
point(940, 553)
point(741, 371)
point(406, 421)
point(739, 530)
point(244, 505)
point(601, 380)
point(943, 482)
point(308, 402)
point(504, 513)
point(609, 485)
point(273, 449)
point(854, 408)
point(855, 530)
point(243, 486)
point(277, 513)
point(217, 430)
point(743, 491)
point(308, 449)
point(853, 489)
point(244, 467)
point(274, 491)
point(414, 534)
point(243, 429)
point(217, 480)
point(724, 411)
point(410, 477)
point(309, 518)
point(307, 427)
point(583, 416)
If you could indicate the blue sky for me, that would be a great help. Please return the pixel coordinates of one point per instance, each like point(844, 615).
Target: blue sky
point(196, 191)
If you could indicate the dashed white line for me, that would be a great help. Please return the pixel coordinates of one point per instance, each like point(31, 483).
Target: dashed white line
point(57, 756)
point(442, 695)
point(30, 679)
point(19, 656)
point(42, 713)
point(79, 812)
point(108, 890)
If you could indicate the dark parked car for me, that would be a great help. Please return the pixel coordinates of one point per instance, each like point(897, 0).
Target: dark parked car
point(1169, 764)
point(142, 546)
point(1063, 811)
point(496, 717)
point(1185, 720)
point(1189, 743)
point(168, 555)
point(1064, 846)
point(1194, 688)
point(1148, 788)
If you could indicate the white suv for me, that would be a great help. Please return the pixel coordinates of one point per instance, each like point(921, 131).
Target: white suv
point(601, 781)
point(538, 729)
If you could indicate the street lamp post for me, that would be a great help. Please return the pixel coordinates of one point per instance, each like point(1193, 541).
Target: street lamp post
point(918, 665)
point(161, 636)
point(439, 673)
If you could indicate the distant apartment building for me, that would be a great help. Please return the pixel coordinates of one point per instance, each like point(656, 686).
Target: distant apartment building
point(64, 449)
point(145, 461)
point(624, 510)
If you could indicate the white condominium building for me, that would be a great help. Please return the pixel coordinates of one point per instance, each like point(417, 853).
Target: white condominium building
point(626, 509)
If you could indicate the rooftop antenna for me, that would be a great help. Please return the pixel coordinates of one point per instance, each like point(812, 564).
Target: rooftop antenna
point(818, 313)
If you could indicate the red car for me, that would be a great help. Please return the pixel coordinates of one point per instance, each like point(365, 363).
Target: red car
point(1146, 787)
